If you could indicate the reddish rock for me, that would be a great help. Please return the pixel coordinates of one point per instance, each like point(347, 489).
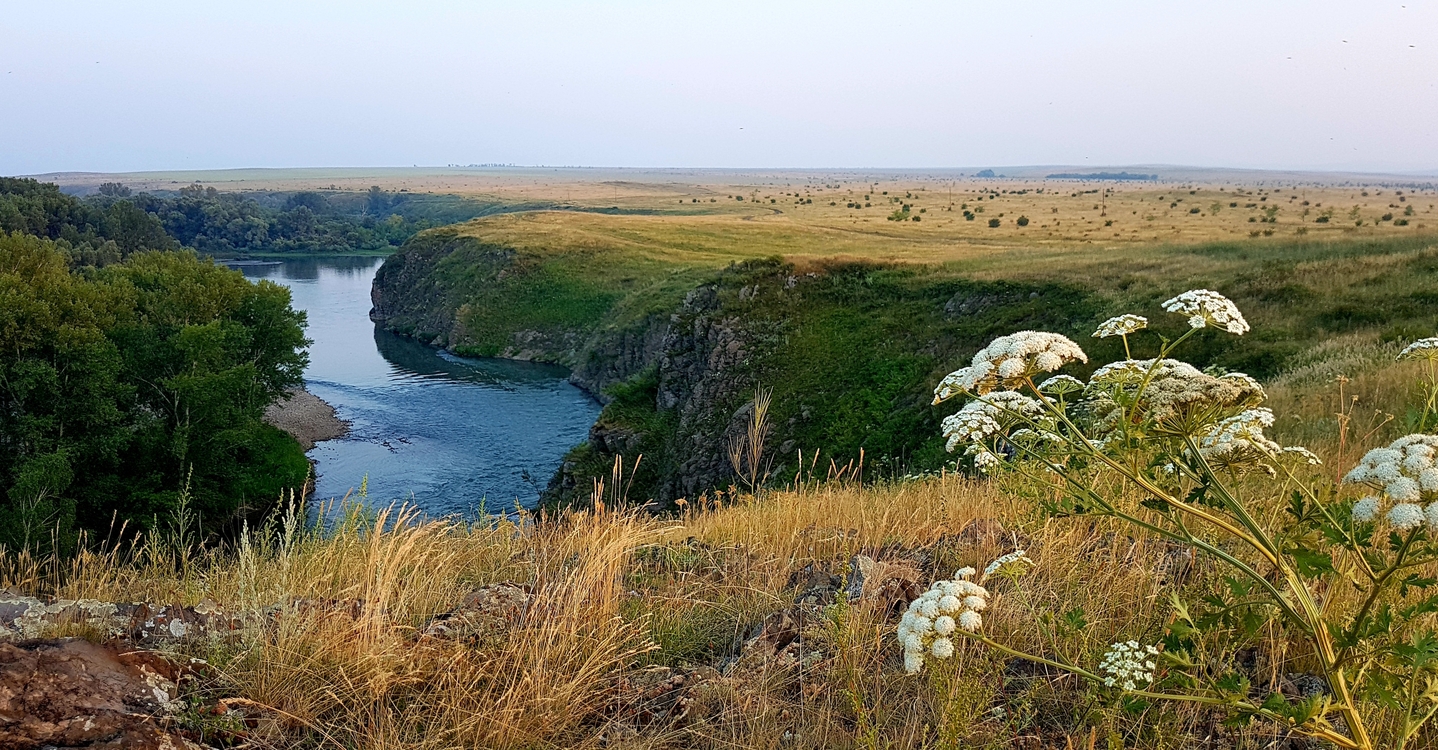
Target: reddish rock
point(71, 693)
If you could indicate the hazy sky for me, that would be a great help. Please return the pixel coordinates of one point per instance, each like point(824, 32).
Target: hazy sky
point(110, 86)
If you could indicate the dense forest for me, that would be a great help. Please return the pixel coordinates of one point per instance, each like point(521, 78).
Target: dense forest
point(133, 376)
point(225, 223)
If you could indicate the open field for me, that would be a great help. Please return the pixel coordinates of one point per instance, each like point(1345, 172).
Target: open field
point(1187, 205)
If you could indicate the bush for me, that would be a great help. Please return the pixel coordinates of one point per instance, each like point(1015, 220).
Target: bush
point(1023, 221)
point(993, 222)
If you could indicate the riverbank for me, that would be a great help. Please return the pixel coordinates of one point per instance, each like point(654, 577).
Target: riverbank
point(307, 418)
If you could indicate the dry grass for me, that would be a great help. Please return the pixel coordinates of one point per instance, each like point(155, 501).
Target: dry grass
point(1066, 212)
point(620, 600)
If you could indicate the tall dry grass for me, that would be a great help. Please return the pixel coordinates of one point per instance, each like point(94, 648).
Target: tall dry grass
point(331, 646)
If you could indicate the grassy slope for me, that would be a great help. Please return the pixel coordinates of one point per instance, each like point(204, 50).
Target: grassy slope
point(860, 346)
point(627, 266)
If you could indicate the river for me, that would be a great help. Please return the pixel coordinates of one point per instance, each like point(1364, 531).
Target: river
point(449, 434)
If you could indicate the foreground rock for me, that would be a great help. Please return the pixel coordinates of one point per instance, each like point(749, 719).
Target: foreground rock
point(307, 418)
point(25, 618)
point(70, 693)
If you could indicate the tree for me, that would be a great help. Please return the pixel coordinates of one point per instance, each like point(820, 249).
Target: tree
point(123, 387)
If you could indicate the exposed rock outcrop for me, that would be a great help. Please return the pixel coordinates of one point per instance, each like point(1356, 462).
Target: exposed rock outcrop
point(851, 349)
point(71, 693)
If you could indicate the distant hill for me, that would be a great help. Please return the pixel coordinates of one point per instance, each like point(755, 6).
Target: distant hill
point(1101, 176)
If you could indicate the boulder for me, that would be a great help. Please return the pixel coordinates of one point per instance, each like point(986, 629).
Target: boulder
point(70, 693)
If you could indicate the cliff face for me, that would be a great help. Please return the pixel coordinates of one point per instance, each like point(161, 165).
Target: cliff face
point(851, 352)
point(410, 295)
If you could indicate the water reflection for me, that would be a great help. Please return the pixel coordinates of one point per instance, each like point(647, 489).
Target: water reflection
point(410, 356)
point(449, 433)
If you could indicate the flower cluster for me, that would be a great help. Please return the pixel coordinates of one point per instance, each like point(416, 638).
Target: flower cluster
point(1239, 440)
point(1129, 665)
point(1421, 349)
point(1406, 472)
point(1061, 385)
point(983, 418)
point(1007, 360)
point(1173, 393)
point(1206, 308)
point(1127, 372)
point(928, 626)
point(1122, 325)
point(968, 426)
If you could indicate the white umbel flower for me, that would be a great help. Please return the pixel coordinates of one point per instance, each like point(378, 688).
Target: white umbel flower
point(1404, 490)
point(1431, 513)
point(1129, 665)
point(1007, 360)
point(1366, 510)
point(1015, 563)
point(1122, 325)
point(1406, 471)
point(1208, 308)
point(1239, 439)
point(986, 417)
point(968, 426)
point(1421, 349)
point(1061, 385)
point(926, 629)
point(1308, 456)
point(1406, 516)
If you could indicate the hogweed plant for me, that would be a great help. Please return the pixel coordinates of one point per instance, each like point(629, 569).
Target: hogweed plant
point(1181, 453)
point(1426, 350)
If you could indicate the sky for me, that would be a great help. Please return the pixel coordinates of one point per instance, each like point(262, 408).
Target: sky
point(106, 86)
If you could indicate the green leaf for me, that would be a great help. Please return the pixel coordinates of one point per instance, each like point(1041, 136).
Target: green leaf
point(1297, 506)
point(1420, 652)
point(1232, 686)
point(1415, 581)
point(1310, 563)
point(1135, 706)
point(1075, 620)
point(1158, 504)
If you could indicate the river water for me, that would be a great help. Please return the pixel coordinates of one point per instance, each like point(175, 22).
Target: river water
point(446, 433)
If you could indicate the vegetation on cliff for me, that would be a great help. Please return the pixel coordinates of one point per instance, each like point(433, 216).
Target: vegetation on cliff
point(675, 320)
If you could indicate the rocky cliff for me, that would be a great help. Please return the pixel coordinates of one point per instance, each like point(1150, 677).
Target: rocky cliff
point(850, 350)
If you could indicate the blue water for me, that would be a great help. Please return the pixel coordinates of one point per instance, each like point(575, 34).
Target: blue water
point(449, 434)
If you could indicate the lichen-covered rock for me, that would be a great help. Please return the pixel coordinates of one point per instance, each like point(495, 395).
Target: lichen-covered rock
point(24, 618)
point(888, 584)
point(490, 611)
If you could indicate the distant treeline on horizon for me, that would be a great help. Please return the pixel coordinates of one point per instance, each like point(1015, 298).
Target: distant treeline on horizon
point(225, 223)
point(1101, 176)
